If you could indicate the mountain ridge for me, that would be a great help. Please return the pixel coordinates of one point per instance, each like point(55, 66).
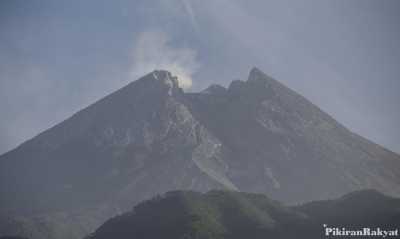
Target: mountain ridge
point(222, 214)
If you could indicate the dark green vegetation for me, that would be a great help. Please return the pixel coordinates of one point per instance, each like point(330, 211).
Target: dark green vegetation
point(224, 214)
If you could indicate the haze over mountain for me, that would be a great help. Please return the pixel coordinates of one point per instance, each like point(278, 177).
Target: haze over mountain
point(222, 214)
point(151, 137)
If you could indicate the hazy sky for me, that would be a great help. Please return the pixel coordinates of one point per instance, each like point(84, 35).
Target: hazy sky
point(56, 57)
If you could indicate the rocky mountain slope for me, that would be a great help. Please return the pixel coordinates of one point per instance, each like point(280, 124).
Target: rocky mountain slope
point(222, 214)
point(150, 137)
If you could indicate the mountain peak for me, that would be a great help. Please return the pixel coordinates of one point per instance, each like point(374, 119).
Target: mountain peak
point(257, 75)
point(163, 79)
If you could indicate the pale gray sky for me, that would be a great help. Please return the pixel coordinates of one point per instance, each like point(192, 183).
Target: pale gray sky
point(57, 57)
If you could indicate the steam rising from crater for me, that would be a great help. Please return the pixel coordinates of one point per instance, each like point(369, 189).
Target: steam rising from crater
point(152, 51)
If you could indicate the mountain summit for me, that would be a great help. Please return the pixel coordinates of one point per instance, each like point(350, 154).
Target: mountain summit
point(150, 137)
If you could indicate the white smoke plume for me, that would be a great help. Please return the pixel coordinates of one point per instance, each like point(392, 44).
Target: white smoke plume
point(153, 51)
